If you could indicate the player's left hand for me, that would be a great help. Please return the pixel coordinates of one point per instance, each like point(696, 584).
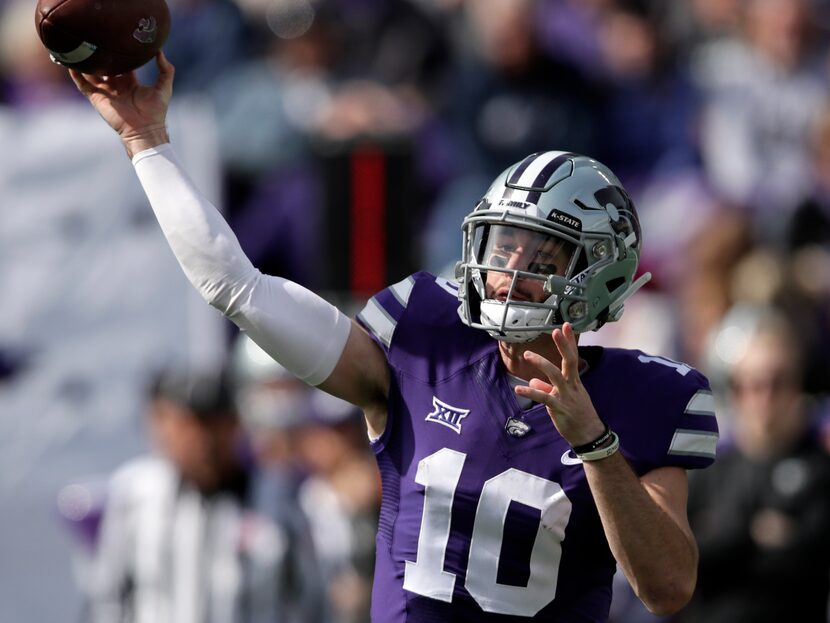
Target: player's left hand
point(561, 391)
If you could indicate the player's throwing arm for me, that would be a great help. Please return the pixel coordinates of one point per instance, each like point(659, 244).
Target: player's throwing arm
point(306, 334)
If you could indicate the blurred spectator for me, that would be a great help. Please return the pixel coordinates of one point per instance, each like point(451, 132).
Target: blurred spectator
point(196, 533)
point(273, 405)
point(569, 31)
point(810, 224)
point(648, 116)
point(283, 89)
point(799, 284)
point(764, 90)
point(341, 497)
point(704, 290)
point(268, 168)
point(394, 42)
point(28, 77)
point(300, 430)
point(762, 514)
point(207, 38)
point(504, 97)
point(334, 68)
point(334, 74)
point(688, 25)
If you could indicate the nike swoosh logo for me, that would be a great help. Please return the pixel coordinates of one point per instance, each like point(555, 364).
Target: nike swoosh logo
point(567, 459)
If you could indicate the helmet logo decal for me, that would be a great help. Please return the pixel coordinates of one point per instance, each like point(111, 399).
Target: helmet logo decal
point(565, 219)
point(146, 31)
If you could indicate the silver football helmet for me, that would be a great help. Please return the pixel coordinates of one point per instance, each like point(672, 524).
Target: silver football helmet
point(555, 239)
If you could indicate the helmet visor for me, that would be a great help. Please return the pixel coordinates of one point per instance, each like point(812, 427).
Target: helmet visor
point(509, 248)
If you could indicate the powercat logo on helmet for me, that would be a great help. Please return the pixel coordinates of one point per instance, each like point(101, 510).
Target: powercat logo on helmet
point(565, 219)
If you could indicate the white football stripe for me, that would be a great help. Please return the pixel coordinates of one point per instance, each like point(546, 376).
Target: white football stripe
point(81, 53)
point(702, 403)
point(519, 195)
point(376, 318)
point(402, 290)
point(694, 443)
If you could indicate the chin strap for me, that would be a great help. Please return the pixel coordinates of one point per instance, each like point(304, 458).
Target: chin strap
point(615, 311)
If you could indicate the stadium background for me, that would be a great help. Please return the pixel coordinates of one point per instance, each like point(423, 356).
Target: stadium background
point(345, 140)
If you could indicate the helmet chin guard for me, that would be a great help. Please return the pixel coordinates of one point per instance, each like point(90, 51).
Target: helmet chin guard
point(514, 322)
point(555, 239)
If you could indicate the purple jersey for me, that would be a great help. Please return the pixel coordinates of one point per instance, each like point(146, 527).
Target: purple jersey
point(486, 513)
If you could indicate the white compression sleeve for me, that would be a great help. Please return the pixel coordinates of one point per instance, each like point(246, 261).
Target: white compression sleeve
point(296, 327)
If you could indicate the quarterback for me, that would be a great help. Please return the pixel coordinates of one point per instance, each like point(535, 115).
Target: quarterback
point(518, 469)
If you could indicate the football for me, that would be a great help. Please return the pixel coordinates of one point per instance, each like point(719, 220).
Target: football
point(102, 37)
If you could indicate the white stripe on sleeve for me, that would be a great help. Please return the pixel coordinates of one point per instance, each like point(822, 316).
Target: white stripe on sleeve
point(381, 323)
point(402, 290)
point(702, 403)
point(694, 443)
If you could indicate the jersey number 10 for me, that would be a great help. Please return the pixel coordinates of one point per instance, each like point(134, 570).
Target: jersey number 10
point(440, 473)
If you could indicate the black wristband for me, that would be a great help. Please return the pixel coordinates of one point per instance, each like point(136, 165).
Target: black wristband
point(595, 444)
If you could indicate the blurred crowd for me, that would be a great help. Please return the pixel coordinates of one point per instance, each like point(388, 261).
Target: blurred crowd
point(256, 502)
point(715, 114)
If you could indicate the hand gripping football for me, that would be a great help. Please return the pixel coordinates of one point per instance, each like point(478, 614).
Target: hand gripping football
point(103, 37)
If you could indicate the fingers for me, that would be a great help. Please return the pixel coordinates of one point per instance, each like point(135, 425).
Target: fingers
point(89, 84)
point(97, 81)
point(559, 378)
point(116, 85)
point(82, 81)
point(535, 394)
point(164, 64)
point(536, 389)
point(541, 385)
point(166, 74)
point(565, 340)
point(553, 373)
point(125, 82)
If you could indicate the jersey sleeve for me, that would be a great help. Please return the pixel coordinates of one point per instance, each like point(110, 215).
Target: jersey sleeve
point(382, 312)
point(694, 440)
point(670, 419)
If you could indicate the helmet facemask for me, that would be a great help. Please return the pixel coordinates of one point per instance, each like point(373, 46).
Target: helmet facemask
point(523, 279)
